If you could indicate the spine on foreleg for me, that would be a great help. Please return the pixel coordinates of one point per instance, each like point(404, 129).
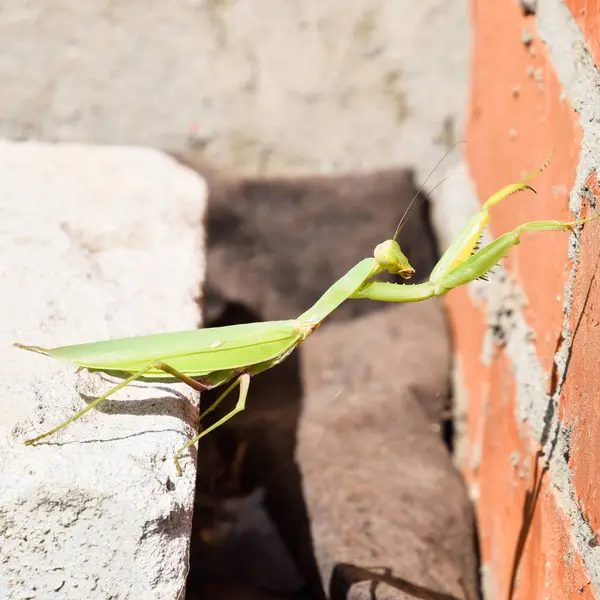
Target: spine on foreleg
point(463, 246)
point(480, 263)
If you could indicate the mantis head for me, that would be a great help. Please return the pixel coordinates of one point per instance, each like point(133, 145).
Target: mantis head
point(390, 258)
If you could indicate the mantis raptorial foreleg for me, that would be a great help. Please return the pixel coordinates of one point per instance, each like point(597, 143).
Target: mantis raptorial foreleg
point(244, 382)
point(482, 261)
point(474, 267)
point(463, 246)
point(462, 263)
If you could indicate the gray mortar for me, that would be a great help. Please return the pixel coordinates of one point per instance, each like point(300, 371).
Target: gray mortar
point(581, 81)
point(508, 329)
point(526, 37)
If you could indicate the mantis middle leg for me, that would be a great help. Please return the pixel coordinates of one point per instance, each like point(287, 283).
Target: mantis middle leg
point(244, 382)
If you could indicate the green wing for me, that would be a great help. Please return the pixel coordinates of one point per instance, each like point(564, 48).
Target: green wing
point(194, 353)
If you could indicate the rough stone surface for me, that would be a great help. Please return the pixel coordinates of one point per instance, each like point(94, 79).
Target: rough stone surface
point(96, 243)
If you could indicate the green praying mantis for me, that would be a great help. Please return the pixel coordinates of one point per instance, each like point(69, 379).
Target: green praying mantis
point(213, 357)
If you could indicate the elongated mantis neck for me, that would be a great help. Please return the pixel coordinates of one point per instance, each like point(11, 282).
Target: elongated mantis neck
point(340, 291)
point(386, 257)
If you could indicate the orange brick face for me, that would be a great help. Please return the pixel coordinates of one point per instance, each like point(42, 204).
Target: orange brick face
point(517, 119)
point(519, 113)
point(582, 390)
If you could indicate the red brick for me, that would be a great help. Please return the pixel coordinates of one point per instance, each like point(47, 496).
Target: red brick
point(541, 122)
point(549, 566)
point(468, 332)
point(579, 404)
point(517, 116)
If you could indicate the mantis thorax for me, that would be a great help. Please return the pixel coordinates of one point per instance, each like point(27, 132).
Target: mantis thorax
point(390, 258)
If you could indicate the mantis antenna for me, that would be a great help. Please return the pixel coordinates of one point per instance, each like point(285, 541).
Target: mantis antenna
point(439, 162)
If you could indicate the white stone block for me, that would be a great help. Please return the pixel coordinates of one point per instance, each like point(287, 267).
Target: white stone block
point(95, 243)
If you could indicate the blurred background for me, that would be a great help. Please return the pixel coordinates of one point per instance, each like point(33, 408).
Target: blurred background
point(257, 86)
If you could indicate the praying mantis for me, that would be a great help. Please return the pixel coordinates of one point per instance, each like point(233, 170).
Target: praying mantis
point(213, 357)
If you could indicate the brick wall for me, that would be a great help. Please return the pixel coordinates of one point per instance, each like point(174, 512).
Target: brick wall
point(528, 342)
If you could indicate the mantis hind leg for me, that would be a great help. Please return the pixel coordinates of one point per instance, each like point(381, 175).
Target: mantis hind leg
point(91, 405)
point(244, 382)
point(197, 385)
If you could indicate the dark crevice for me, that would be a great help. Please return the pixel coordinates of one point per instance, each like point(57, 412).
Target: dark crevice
point(449, 432)
point(252, 504)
